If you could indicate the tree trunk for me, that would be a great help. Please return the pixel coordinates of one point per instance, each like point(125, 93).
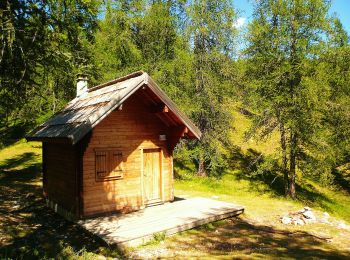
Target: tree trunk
point(201, 169)
point(284, 158)
point(292, 165)
point(53, 101)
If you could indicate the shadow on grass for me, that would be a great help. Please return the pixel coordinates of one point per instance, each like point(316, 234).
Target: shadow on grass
point(254, 166)
point(342, 178)
point(265, 172)
point(10, 135)
point(29, 229)
point(180, 166)
point(239, 238)
point(17, 161)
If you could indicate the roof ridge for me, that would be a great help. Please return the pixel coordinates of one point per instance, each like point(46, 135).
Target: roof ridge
point(75, 122)
point(129, 76)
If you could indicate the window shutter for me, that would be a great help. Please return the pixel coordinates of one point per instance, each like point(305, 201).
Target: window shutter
point(116, 162)
point(101, 164)
point(108, 164)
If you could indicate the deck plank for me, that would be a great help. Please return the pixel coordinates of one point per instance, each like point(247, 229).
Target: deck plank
point(139, 227)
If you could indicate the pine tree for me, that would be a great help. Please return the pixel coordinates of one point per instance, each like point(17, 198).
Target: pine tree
point(286, 39)
point(212, 35)
point(335, 66)
point(43, 45)
point(115, 50)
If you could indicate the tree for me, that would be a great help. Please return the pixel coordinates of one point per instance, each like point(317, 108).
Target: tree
point(285, 42)
point(115, 50)
point(136, 35)
point(212, 35)
point(188, 48)
point(335, 67)
point(43, 45)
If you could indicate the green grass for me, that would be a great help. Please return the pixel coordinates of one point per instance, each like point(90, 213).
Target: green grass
point(264, 203)
point(28, 229)
point(251, 193)
point(258, 233)
point(240, 124)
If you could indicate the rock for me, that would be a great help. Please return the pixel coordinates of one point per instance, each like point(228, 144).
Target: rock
point(308, 214)
point(342, 225)
point(299, 221)
point(308, 221)
point(325, 218)
point(286, 220)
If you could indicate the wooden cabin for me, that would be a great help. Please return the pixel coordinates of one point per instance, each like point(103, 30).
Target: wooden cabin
point(110, 149)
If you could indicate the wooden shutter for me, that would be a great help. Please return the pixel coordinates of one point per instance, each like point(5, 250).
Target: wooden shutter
point(101, 164)
point(108, 164)
point(117, 162)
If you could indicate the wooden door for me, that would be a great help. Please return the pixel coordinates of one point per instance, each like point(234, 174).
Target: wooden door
point(152, 176)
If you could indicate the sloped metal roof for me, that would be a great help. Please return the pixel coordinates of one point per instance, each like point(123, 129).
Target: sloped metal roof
point(83, 113)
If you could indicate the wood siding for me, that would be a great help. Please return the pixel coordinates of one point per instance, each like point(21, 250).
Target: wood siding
point(130, 130)
point(60, 179)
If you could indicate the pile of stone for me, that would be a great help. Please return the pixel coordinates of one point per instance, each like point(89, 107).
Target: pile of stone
point(300, 217)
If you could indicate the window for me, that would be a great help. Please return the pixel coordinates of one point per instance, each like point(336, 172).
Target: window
point(108, 164)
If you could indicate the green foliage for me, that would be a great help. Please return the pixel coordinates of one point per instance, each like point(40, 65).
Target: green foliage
point(192, 61)
point(290, 82)
point(115, 51)
point(212, 32)
point(43, 46)
point(293, 77)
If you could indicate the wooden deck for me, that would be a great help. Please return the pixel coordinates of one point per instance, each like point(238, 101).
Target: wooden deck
point(139, 227)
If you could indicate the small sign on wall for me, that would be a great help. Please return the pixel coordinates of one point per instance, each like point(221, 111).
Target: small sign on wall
point(162, 137)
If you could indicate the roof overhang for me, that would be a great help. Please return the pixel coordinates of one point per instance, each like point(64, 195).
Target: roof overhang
point(74, 132)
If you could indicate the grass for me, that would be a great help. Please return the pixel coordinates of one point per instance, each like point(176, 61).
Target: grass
point(251, 193)
point(241, 123)
point(238, 239)
point(258, 233)
point(28, 229)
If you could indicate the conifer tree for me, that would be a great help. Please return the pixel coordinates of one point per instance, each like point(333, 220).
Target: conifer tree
point(285, 41)
point(212, 35)
point(43, 45)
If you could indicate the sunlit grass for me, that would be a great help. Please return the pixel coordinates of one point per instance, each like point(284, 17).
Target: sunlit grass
point(241, 124)
point(258, 199)
point(19, 148)
point(263, 206)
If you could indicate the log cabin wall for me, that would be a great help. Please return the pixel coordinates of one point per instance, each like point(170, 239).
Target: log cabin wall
point(124, 133)
point(59, 178)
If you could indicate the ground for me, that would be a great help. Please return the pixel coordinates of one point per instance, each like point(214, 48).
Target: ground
point(28, 229)
point(256, 234)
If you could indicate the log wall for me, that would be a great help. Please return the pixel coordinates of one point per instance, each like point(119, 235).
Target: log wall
point(59, 180)
point(129, 130)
